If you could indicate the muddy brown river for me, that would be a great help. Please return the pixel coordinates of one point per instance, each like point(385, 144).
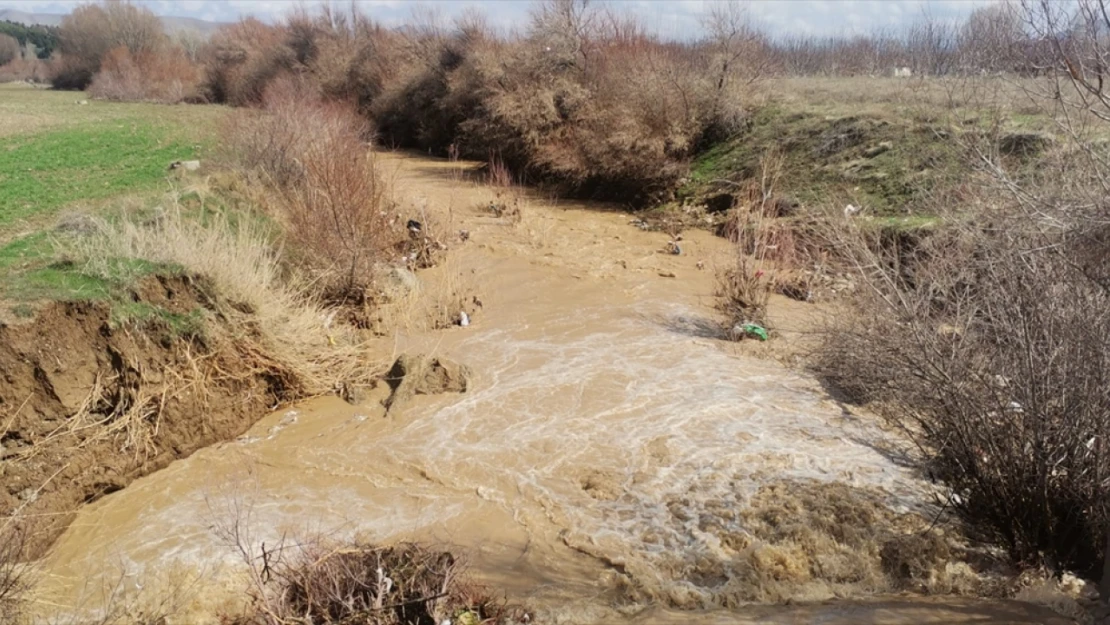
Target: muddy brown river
point(604, 424)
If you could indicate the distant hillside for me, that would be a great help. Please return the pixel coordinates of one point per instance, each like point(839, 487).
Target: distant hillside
point(171, 24)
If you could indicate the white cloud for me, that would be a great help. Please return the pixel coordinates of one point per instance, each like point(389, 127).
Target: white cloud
point(677, 18)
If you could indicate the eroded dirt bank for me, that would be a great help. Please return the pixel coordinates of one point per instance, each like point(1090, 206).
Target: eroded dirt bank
point(611, 461)
point(89, 405)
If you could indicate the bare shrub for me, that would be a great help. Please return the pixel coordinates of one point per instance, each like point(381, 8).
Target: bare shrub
point(339, 214)
point(327, 188)
point(331, 582)
point(166, 75)
point(508, 200)
point(987, 344)
point(14, 582)
point(31, 70)
point(765, 250)
point(242, 59)
point(9, 49)
point(92, 30)
point(323, 580)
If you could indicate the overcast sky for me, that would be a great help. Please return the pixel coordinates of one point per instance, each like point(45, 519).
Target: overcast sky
point(668, 17)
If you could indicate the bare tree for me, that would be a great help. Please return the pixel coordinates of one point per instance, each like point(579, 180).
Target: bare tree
point(91, 30)
point(990, 39)
point(9, 49)
point(931, 46)
point(191, 41)
point(736, 47)
point(564, 29)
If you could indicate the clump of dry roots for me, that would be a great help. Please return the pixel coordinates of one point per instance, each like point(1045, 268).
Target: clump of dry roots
point(361, 584)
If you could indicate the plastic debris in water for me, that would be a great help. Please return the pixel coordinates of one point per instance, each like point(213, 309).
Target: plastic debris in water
point(742, 330)
point(464, 319)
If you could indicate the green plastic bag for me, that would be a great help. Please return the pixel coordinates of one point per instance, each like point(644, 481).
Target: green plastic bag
point(754, 329)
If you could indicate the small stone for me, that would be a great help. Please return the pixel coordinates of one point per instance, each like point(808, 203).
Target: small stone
point(186, 165)
point(666, 274)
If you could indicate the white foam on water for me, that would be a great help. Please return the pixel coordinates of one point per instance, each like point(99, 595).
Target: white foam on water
point(602, 429)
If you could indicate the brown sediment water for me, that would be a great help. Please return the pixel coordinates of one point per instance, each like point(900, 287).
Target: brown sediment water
point(605, 424)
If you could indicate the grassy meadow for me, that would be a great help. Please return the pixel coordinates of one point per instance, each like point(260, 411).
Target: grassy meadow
point(66, 165)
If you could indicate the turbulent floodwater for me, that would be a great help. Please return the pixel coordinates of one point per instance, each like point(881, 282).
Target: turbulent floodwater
point(605, 431)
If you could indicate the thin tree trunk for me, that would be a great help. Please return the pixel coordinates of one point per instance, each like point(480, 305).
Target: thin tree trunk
point(1105, 586)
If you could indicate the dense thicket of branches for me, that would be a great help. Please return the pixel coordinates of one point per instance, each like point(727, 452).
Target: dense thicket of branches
point(988, 338)
point(92, 30)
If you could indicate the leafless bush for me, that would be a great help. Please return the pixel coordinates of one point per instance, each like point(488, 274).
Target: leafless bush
point(9, 49)
point(92, 30)
point(327, 188)
point(165, 75)
point(327, 582)
point(14, 582)
point(587, 99)
point(765, 252)
point(32, 70)
point(987, 343)
point(508, 200)
point(269, 143)
point(242, 59)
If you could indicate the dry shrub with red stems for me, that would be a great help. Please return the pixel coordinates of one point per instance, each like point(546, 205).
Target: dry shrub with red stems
point(92, 30)
point(326, 186)
point(166, 75)
point(30, 70)
point(242, 59)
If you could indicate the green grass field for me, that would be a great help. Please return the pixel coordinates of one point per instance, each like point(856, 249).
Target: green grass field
point(42, 173)
point(57, 157)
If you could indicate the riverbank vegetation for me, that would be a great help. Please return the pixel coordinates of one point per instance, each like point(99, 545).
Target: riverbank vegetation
point(958, 217)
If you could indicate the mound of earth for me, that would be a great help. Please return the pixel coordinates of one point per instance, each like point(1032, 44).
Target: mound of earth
point(424, 375)
point(88, 403)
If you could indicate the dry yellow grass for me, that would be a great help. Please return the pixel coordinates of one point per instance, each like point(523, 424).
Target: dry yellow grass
point(291, 331)
point(1021, 101)
point(28, 110)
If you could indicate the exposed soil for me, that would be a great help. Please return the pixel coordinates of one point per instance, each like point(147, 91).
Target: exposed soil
point(88, 405)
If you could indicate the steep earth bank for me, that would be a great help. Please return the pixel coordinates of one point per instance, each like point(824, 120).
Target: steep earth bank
point(89, 402)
